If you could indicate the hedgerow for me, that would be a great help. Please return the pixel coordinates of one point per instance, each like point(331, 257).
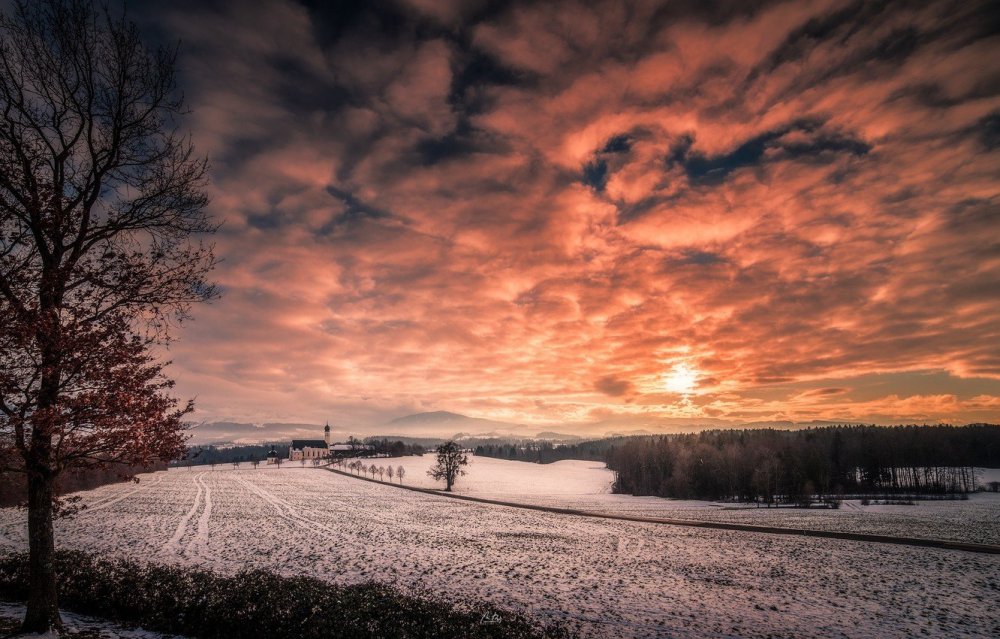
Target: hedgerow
point(259, 604)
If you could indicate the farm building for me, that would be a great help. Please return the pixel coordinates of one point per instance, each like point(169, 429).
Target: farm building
point(352, 449)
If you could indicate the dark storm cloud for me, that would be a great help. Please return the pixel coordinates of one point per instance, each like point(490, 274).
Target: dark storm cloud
point(778, 145)
point(613, 386)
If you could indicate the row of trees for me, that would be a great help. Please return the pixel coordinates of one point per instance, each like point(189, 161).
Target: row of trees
point(393, 448)
point(449, 460)
point(212, 455)
point(199, 455)
point(544, 452)
point(768, 465)
point(360, 468)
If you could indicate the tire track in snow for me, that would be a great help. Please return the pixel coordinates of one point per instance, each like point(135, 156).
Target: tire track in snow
point(97, 504)
point(172, 545)
point(287, 509)
point(114, 499)
point(199, 543)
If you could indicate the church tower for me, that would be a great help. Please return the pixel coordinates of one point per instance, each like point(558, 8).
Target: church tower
point(326, 434)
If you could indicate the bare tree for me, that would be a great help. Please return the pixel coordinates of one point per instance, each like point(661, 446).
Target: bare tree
point(100, 201)
point(448, 466)
point(389, 472)
point(381, 473)
point(400, 472)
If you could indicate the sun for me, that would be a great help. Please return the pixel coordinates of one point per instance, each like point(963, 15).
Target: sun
point(681, 379)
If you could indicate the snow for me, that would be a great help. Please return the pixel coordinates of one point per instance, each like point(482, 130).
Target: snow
point(608, 578)
point(82, 623)
point(986, 475)
point(585, 485)
point(490, 477)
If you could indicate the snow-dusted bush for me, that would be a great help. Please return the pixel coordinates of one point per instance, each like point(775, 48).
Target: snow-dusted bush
point(258, 604)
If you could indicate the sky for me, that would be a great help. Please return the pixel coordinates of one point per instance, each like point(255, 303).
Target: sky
point(559, 213)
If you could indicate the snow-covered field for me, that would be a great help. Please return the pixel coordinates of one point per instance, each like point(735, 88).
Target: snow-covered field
point(610, 578)
point(584, 485)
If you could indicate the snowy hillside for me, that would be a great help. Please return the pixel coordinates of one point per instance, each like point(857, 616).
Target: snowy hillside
point(586, 485)
point(610, 578)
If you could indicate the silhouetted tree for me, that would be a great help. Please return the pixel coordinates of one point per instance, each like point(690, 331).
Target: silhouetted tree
point(99, 200)
point(400, 472)
point(389, 471)
point(448, 466)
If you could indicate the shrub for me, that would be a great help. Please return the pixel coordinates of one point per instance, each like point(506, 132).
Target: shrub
point(258, 604)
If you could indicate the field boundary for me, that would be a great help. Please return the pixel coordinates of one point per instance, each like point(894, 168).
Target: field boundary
point(990, 549)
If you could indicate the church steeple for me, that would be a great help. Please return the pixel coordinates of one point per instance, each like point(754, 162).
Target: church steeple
point(326, 434)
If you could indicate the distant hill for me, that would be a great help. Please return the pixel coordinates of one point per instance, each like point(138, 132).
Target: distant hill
point(432, 427)
point(226, 433)
point(443, 423)
point(558, 437)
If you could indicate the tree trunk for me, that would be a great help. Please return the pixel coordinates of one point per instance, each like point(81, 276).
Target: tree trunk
point(42, 612)
point(43, 606)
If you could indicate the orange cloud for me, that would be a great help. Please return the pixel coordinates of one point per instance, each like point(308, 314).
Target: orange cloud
point(534, 213)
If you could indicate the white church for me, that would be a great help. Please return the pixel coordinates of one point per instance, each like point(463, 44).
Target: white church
point(321, 448)
point(310, 448)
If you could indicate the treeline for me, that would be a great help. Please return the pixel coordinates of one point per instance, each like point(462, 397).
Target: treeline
point(544, 452)
point(13, 488)
point(398, 448)
point(213, 455)
point(201, 455)
point(767, 465)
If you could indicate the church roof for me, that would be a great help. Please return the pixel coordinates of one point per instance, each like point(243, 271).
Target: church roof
point(299, 444)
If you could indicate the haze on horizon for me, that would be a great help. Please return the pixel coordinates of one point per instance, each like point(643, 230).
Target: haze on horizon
point(547, 213)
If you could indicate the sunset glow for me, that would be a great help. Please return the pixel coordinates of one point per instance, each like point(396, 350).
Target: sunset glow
point(534, 213)
point(681, 380)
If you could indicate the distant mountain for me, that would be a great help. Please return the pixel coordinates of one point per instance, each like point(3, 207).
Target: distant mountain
point(226, 433)
point(443, 423)
point(433, 417)
point(646, 425)
point(790, 425)
point(558, 437)
point(434, 427)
